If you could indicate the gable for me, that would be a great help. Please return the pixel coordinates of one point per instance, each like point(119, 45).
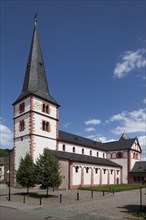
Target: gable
point(136, 146)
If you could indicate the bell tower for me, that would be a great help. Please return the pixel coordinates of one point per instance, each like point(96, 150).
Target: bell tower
point(35, 111)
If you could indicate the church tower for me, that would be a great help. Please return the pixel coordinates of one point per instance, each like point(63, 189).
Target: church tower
point(35, 111)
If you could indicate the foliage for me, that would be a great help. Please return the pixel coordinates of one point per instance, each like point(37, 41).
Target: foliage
point(116, 188)
point(26, 175)
point(48, 170)
point(4, 152)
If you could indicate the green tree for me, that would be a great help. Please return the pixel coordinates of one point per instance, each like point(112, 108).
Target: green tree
point(48, 170)
point(26, 173)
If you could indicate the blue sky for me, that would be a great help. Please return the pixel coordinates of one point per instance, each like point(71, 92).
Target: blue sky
point(95, 58)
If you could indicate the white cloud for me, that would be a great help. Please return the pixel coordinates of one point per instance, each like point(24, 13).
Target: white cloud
point(66, 125)
point(131, 60)
point(144, 101)
point(6, 137)
point(130, 122)
point(142, 141)
point(90, 129)
point(93, 122)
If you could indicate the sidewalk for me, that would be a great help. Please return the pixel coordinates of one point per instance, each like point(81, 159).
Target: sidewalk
point(108, 207)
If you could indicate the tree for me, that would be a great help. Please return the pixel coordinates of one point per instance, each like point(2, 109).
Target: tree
point(48, 170)
point(26, 173)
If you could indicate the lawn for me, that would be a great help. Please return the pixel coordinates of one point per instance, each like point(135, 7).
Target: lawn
point(116, 188)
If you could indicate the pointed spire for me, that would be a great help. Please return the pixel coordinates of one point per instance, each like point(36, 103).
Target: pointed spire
point(35, 81)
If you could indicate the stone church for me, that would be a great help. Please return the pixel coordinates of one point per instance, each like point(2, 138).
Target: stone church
point(84, 162)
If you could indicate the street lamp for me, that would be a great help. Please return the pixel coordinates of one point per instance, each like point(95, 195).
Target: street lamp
point(9, 183)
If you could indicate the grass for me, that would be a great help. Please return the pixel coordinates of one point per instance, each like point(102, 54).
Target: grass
point(116, 188)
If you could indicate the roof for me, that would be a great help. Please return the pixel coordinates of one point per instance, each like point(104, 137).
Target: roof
point(35, 81)
point(83, 158)
point(139, 166)
point(122, 144)
point(78, 140)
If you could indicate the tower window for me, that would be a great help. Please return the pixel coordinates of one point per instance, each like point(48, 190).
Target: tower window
point(90, 152)
point(111, 171)
point(22, 107)
point(103, 155)
point(21, 125)
point(45, 108)
point(45, 126)
point(97, 154)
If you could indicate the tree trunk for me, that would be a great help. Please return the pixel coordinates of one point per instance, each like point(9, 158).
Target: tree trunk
point(47, 190)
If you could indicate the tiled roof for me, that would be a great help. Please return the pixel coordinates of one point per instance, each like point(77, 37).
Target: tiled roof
point(78, 140)
point(139, 166)
point(83, 158)
point(122, 144)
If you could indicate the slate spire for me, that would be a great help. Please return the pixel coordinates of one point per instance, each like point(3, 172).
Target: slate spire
point(35, 80)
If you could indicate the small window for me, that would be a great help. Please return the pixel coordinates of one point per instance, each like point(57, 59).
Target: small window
point(63, 147)
point(22, 107)
point(97, 154)
point(90, 152)
point(96, 170)
point(117, 172)
point(82, 150)
point(111, 172)
point(87, 169)
point(73, 149)
point(21, 125)
point(103, 155)
point(77, 169)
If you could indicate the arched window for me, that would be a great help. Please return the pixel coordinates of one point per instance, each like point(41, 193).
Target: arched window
point(22, 107)
point(73, 149)
point(87, 169)
point(119, 155)
point(45, 126)
point(82, 150)
point(21, 125)
point(63, 147)
point(96, 170)
point(77, 169)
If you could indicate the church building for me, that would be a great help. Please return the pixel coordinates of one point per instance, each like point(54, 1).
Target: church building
point(84, 162)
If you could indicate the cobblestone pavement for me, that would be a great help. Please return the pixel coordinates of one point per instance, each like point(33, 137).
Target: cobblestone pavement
point(108, 207)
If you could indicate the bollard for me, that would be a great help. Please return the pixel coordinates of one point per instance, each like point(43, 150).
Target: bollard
point(91, 193)
point(113, 192)
point(140, 190)
point(24, 199)
point(60, 198)
point(103, 192)
point(77, 196)
point(40, 200)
